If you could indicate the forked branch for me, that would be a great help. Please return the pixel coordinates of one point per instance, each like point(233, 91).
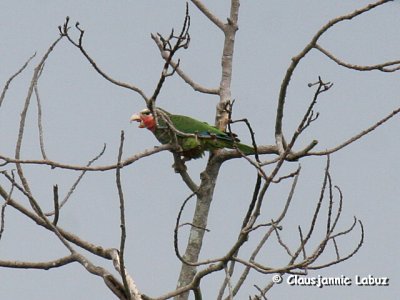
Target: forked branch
point(296, 60)
point(64, 31)
point(170, 46)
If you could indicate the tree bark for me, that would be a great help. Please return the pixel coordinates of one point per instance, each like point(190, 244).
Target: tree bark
point(200, 218)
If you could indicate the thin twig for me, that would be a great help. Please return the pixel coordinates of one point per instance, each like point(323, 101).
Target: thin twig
point(296, 60)
point(339, 210)
point(267, 234)
point(176, 242)
point(64, 31)
point(64, 236)
point(3, 208)
point(181, 41)
point(92, 248)
point(290, 175)
point(383, 67)
point(228, 279)
point(6, 86)
point(122, 219)
point(40, 126)
point(302, 243)
point(54, 164)
point(336, 261)
point(322, 87)
point(45, 265)
point(336, 249)
point(75, 184)
point(197, 87)
point(356, 137)
point(328, 221)
point(212, 17)
point(316, 211)
point(56, 205)
point(257, 163)
point(262, 293)
point(179, 167)
point(24, 112)
point(278, 236)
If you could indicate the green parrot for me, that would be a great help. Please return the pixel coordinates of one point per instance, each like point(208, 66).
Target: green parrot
point(205, 136)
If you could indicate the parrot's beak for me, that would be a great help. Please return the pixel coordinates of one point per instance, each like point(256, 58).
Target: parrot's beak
point(137, 118)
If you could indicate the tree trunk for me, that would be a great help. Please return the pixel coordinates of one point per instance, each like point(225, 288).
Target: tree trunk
point(210, 174)
point(203, 204)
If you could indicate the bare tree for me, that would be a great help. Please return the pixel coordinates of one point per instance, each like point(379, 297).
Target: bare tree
point(303, 258)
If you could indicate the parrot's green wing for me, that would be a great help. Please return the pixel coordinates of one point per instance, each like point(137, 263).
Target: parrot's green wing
point(189, 125)
point(205, 136)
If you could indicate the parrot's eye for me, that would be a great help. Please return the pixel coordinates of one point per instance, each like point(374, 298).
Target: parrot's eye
point(146, 112)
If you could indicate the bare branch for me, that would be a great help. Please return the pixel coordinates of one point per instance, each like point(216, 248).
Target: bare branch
point(39, 213)
point(222, 115)
point(122, 218)
point(336, 249)
point(226, 154)
point(176, 243)
point(6, 86)
point(56, 205)
point(263, 291)
point(179, 167)
point(213, 18)
point(3, 209)
point(253, 201)
point(64, 31)
point(94, 249)
point(316, 211)
point(280, 240)
point(228, 280)
point(328, 222)
point(40, 126)
point(197, 87)
point(307, 262)
point(112, 283)
point(358, 136)
point(42, 220)
point(336, 261)
point(290, 175)
point(257, 163)
point(64, 236)
point(302, 243)
point(75, 184)
point(383, 67)
point(295, 61)
point(47, 265)
point(24, 112)
point(322, 87)
point(267, 234)
point(133, 291)
point(285, 150)
point(55, 164)
point(181, 41)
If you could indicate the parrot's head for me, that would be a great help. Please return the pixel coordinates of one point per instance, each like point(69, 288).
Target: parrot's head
point(146, 119)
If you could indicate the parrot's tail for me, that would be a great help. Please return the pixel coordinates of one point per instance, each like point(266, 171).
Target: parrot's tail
point(247, 150)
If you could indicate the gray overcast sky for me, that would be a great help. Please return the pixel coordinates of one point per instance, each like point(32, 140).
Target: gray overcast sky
point(81, 111)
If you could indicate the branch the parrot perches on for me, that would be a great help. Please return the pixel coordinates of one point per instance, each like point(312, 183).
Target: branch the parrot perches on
point(193, 136)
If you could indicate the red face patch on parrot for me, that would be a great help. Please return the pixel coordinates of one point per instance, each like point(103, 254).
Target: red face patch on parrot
point(146, 120)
